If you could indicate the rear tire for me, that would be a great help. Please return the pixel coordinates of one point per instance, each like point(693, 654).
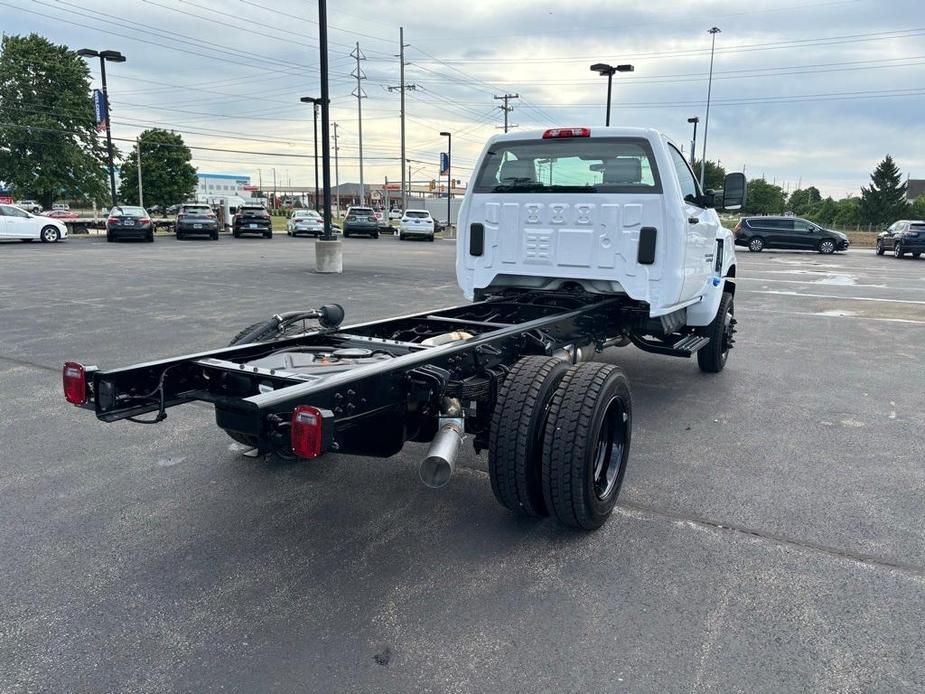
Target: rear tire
point(268, 235)
point(149, 237)
point(756, 245)
point(712, 358)
point(214, 235)
point(586, 444)
point(916, 255)
point(516, 436)
point(375, 235)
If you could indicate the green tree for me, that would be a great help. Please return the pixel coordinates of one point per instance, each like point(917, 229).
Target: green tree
point(917, 208)
point(804, 201)
point(885, 200)
point(167, 177)
point(49, 145)
point(713, 176)
point(764, 197)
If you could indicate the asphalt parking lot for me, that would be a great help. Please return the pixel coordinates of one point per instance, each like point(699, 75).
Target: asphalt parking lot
point(770, 535)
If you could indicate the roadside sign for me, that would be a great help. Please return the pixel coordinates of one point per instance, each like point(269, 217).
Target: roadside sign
point(99, 109)
point(375, 195)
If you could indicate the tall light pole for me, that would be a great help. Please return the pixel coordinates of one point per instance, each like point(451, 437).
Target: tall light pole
point(694, 120)
point(329, 256)
point(315, 104)
point(706, 121)
point(336, 172)
point(114, 57)
point(603, 69)
point(449, 179)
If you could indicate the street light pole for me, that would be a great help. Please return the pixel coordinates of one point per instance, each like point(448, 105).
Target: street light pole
point(315, 109)
point(706, 121)
point(694, 120)
point(449, 179)
point(115, 57)
point(604, 69)
point(328, 251)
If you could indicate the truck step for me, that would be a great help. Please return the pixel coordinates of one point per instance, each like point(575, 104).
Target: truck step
point(691, 343)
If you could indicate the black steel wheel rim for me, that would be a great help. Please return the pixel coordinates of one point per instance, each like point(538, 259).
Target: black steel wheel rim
point(610, 448)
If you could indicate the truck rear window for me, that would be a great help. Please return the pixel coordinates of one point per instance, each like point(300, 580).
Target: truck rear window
point(570, 165)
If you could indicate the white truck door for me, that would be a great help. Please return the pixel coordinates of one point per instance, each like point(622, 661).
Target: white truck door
point(701, 226)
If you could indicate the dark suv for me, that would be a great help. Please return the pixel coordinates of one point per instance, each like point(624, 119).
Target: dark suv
point(904, 236)
point(129, 222)
point(361, 220)
point(758, 233)
point(252, 219)
point(196, 219)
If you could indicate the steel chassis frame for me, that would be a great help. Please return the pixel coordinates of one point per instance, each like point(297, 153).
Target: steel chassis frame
point(375, 408)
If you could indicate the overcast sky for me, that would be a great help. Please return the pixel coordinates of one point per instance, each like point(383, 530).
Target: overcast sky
point(816, 91)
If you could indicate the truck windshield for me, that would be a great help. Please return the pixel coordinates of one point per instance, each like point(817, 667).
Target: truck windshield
point(570, 165)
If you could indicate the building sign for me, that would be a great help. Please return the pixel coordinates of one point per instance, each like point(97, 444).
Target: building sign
point(99, 109)
point(444, 163)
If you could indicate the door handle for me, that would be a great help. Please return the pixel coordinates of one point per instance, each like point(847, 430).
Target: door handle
point(693, 220)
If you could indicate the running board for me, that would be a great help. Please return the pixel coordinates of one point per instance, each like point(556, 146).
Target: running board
point(685, 347)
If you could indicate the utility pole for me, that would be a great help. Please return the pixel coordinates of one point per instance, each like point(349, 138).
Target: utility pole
point(274, 188)
point(360, 95)
point(336, 172)
point(706, 121)
point(401, 89)
point(507, 109)
point(409, 180)
point(141, 196)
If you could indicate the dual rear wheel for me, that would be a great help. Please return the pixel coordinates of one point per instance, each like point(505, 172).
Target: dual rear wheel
point(560, 440)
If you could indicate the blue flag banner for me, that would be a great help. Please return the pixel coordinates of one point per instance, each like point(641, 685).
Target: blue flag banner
point(99, 109)
point(444, 163)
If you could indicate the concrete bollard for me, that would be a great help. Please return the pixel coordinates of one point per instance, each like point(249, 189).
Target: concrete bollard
point(329, 256)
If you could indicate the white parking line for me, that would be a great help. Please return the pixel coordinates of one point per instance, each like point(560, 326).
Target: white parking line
point(832, 296)
point(829, 314)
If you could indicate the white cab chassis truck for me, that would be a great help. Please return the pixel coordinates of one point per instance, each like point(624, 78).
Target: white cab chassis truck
point(571, 240)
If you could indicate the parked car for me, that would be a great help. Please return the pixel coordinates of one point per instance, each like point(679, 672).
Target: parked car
point(758, 233)
point(129, 222)
point(30, 206)
point(306, 222)
point(196, 218)
point(361, 220)
point(61, 214)
point(62, 206)
point(17, 223)
point(395, 214)
point(904, 236)
point(252, 219)
point(173, 209)
point(416, 223)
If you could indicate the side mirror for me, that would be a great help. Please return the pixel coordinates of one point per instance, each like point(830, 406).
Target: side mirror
point(734, 191)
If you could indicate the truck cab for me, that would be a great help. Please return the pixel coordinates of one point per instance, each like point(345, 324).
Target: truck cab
point(613, 210)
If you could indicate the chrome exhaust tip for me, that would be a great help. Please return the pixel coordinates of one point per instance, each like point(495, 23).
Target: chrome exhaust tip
point(437, 468)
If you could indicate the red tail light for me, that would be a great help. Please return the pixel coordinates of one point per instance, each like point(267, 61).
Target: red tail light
point(112, 220)
point(309, 435)
point(144, 220)
point(75, 383)
point(182, 214)
point(211, 215)
point(556, 133)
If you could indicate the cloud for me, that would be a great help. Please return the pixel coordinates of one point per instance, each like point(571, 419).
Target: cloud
point(804, 90)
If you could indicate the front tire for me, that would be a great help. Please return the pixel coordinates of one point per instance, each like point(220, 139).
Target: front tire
point(827, 247)
point(898, 251)
point(50, 234)
point(879, 247)
point(756, 245)
point(712, 358)
point(586, 444)
point(516, 436)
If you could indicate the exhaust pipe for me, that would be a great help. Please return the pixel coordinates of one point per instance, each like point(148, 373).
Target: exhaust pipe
point(437, 468)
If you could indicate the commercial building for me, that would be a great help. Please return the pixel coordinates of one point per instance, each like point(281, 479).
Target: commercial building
point(224, 185)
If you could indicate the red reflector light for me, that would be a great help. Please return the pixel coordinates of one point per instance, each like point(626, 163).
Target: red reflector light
point(75, 383)
point(306, 432)
point(555, 133)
